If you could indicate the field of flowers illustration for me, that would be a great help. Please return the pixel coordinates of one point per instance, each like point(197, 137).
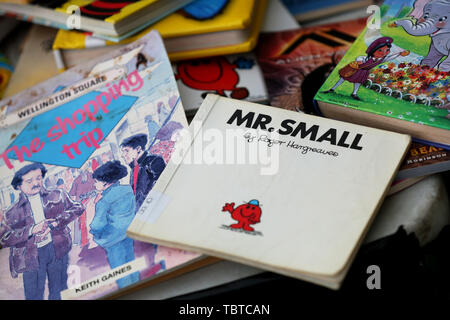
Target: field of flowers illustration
point(402, 88)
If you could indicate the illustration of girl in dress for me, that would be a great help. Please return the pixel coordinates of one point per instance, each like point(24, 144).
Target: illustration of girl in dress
point(357, 72)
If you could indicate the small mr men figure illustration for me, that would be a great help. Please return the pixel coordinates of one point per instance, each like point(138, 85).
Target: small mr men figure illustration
point(145, 168)
point(246, 214)
point(35, 229)
point(215, 75)
point(113, 214)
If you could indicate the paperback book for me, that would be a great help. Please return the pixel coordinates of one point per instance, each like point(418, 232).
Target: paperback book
point(395, 76)
point(80, 152)
point(239, 208)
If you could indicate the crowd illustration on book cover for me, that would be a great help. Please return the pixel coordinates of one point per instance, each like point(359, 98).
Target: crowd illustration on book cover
point(65, 225)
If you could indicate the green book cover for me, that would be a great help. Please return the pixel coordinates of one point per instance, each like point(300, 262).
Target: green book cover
point(399, 66)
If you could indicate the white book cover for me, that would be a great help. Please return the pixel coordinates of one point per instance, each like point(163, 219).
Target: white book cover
point(275, 189)
point(236, 76)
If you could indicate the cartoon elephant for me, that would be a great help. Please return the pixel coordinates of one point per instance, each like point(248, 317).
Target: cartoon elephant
point(433, 22)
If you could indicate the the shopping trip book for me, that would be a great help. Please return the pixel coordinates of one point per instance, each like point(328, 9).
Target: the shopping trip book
point(110, 19)
point(79, 154)
point(243, 158)
point(396, 75)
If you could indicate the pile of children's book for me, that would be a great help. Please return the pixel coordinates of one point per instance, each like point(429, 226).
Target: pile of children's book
point(145, 139)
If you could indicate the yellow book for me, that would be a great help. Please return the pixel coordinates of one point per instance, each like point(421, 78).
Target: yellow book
point(247, 45)
point(234, 30)
point(236, 15)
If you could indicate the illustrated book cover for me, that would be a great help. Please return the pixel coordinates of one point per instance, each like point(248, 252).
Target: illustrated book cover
point(273, 189)
point(296, 62)
point(107, 18)
point(80, 152)
point(198, 30)
point(396, 74)
point(236, 76)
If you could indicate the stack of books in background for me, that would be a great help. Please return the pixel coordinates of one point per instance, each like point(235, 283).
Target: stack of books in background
point(225, 30)
point(355, 101)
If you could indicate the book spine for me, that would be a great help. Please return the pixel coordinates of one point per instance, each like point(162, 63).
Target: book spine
point(33, 19)
point(432, 143)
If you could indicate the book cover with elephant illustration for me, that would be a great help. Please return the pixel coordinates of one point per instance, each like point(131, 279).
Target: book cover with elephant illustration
point(396, 76)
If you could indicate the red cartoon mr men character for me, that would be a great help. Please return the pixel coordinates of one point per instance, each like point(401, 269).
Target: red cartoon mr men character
point(246, 214)
point(215, 74)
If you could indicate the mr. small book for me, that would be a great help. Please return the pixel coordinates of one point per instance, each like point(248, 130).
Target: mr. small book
point(271, 188)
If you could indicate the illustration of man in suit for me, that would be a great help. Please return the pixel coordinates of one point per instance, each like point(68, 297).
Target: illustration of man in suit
point(145, 168)
point(35, 229)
